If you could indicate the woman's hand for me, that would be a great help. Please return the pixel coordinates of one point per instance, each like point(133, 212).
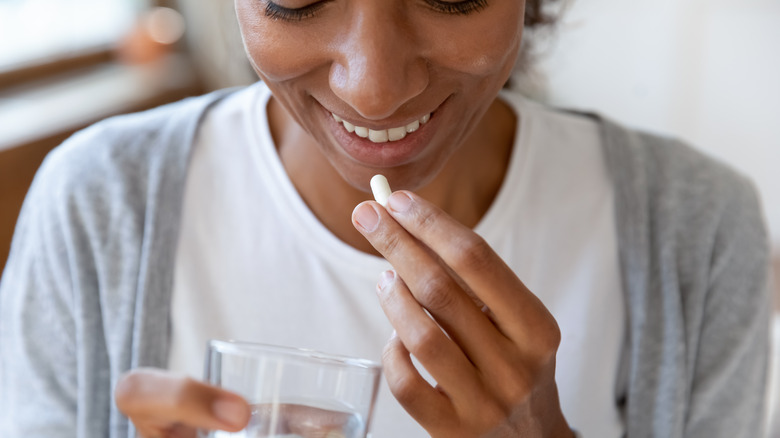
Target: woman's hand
point(491, 344)
point(164, 405)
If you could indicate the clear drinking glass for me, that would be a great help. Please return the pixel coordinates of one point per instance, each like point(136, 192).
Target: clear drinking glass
point(295, 392)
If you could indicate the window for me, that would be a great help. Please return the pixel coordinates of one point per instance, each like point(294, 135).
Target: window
point(32, 31)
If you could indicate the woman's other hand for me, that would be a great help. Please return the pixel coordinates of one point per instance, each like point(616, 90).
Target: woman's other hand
point(491, 344)
point(165, 405)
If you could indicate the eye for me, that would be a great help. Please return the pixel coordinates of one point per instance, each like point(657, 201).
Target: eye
point(279, 12)
point(464, 7)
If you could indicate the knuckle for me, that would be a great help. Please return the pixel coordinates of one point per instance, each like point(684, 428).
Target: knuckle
point(403, 388)
point(491, 411)
point(392, 351)
point(391, 243)
point(553, 341)
point(492, 414)
point(388, 353)
point(470, 253)
point(435, 292)
point(518, 389)
point(426, 219)
point(426, 343)
point(547, 342)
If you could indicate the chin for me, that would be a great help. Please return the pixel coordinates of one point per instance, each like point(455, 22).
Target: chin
point(413, 177)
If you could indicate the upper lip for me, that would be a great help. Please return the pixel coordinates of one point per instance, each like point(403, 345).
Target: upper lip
point(385, 124)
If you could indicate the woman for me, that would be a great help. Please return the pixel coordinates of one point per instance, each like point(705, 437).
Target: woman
point(580, 277)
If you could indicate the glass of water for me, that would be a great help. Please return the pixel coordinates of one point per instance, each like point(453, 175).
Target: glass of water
point(295, 392)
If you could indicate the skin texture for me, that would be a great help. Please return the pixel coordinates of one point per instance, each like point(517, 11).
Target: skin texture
point(495, 366)
point(161, 404)
point(382, 64)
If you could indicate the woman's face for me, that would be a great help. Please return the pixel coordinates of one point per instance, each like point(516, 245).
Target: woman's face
point(388, 66)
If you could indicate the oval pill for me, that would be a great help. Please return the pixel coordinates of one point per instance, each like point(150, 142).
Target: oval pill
point(381, 189)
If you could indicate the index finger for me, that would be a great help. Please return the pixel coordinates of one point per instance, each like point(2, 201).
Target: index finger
point(153, 395)
point(475, 262)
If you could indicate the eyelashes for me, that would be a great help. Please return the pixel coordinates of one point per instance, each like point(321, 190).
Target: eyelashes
point(464, 7)
point(275, 11)
point(458, 8)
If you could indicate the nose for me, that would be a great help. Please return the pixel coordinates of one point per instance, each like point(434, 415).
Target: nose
point(379, 66)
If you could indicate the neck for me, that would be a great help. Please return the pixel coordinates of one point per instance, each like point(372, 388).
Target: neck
point(462, 189)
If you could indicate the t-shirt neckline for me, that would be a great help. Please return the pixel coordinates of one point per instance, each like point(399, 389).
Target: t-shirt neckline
point(314, 234)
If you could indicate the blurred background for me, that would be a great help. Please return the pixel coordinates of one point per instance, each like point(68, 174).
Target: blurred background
point(706, 71)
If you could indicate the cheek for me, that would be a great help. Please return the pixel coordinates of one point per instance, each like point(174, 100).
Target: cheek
point(482, 47)
point(278, 51)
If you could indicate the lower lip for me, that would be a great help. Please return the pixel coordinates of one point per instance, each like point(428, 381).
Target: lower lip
point(387, 154)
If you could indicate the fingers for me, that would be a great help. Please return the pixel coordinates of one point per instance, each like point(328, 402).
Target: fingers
point(507, 352)
point(155, 397)
point(424, 403)
point(422, 336)
point(432, 287)
point(517, 311)
point(180, 431)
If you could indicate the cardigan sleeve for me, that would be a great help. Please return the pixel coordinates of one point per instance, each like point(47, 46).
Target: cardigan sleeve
point(728, 385)
point(37, 323)
point(69, 265)
point(85, 295)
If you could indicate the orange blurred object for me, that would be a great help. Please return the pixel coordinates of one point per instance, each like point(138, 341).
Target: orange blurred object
point(153, 36)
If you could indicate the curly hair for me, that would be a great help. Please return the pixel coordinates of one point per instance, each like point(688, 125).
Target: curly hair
point(537, 13)
point(539, 20)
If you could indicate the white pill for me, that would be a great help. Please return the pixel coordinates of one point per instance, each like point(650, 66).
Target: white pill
point(381, 189)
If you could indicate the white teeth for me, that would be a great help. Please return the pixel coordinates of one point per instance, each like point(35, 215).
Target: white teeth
point(383, 135)
point(394, 134)
point(378, 136)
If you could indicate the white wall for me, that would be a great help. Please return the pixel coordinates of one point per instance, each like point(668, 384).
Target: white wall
point(707, 71)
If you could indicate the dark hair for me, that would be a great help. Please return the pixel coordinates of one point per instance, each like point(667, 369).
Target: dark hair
point(539, 21)
point(538, 14)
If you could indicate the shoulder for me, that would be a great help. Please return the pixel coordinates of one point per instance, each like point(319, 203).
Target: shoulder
point(107, 178)
point(654, 171)
point(689, 213)
point(673, 177)
point(123, 147)
point(118, 161)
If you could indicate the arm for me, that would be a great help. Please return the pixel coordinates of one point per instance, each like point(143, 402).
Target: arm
point(729, 382)
point(37, 329)
point(60, 315)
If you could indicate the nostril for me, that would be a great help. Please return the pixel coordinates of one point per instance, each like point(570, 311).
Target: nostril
point(376, 91)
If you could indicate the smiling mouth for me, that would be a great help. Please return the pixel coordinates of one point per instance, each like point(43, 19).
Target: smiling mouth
point(383, 135)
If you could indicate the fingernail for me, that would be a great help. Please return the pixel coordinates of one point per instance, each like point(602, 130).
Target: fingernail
point(393, 335)
point(399, 202)
point(386, 278)
point(229, 411)
point(366, 217)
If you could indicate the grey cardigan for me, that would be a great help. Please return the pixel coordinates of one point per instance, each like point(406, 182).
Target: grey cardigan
point(87, 289)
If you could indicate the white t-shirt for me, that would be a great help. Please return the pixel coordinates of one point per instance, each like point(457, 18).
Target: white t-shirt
point(254, 264)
